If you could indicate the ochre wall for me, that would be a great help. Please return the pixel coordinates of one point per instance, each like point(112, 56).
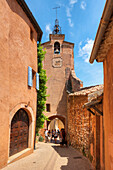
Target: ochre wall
point(108, 109)
point(17, 52)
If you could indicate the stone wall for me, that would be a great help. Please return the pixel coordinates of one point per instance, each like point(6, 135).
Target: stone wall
point(85, 130)
point(78, 123)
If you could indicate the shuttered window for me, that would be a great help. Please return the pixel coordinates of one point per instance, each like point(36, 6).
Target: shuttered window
point(29, 76)
point(33, 78)
point(37, 81)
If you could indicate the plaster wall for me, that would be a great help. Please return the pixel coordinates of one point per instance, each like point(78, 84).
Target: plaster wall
point(108, 109)
point(17, 52)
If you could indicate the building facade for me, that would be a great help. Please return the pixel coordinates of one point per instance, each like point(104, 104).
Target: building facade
point(103, 52)
point(18, 92)
point(85, 126)
point(59, 66)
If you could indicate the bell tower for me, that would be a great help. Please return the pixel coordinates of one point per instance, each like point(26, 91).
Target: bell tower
point(59, 66)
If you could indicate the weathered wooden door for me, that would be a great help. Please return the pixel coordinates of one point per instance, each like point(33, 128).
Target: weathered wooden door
point(19, 132)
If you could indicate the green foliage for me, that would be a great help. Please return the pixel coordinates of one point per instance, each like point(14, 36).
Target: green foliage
point(41, 139)
point(41, 93)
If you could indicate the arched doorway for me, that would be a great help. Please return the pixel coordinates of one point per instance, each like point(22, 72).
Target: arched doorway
point(19, 132)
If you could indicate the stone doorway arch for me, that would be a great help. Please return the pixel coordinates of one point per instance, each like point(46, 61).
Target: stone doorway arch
point(19, 132)
point(31, 117)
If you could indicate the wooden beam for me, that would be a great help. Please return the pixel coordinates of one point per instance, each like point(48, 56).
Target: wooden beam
point(91, 111)
point(96, 109)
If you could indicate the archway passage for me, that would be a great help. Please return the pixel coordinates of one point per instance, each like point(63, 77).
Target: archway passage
point(56, 122)
point(19, 132)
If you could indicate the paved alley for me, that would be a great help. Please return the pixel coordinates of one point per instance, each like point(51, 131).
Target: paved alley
point(49, 156)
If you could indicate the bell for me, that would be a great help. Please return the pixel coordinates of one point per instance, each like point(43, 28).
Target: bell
point(57, 51)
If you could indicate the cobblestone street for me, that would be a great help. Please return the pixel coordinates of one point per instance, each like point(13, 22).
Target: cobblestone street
point(49, 156)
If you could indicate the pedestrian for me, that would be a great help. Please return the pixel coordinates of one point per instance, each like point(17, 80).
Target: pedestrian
point(52, 135)
point(64, 140)
point(49, 135)
point(58, 132)
point(46, 135)
point(55, 136)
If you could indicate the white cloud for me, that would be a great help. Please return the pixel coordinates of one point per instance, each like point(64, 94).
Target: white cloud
point(85, 51)
point(83, 5)
point(72, 2)
point(70, 22)
point(48, 29)
point(68, 12)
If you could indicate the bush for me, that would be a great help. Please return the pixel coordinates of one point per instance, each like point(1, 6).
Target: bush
point(37, 134)
point(41, 139)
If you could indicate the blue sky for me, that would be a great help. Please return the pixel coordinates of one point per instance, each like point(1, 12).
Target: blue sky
point(79, 20)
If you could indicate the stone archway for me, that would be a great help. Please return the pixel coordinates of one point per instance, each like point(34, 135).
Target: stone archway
point(54, 117)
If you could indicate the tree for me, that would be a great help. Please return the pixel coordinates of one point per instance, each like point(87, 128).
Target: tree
point(41, 93)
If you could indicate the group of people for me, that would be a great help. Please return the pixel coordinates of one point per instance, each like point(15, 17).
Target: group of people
point(53, 135)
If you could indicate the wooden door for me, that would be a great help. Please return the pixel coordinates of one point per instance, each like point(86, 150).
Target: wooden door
point(19, 132)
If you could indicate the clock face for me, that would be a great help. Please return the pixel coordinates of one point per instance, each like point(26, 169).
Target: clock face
point(57, 62)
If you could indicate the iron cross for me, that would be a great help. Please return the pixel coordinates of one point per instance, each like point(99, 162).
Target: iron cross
point(56, 10)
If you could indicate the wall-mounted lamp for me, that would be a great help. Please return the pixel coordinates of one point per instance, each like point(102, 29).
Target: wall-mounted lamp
point(27, 104)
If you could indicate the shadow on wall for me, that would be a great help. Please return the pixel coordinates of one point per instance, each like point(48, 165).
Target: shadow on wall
point(62, 105)
point(73, 159)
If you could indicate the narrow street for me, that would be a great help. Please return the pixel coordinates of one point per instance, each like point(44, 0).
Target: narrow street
point(49, 156)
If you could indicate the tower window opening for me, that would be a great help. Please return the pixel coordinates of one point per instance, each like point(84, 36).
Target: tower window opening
point(57, 48)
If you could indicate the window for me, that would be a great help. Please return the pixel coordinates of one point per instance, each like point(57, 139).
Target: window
point(57, 48)
point(31, 34)
point(34, 79)
point(29, 76)
point(47, 107)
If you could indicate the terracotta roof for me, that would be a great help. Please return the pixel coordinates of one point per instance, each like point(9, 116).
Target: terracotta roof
point(31, 18)
point(87, 90)
point(94, 101)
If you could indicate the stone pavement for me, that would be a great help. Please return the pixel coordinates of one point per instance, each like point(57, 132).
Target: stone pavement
point(49, 156)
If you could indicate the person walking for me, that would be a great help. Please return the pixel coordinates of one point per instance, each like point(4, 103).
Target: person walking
point(55, 136)
point(46, 135)
point(63, 136)
point(52, 135)
point(49, 135)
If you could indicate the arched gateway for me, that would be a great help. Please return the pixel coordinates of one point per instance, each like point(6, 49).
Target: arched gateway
point(19, 132)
